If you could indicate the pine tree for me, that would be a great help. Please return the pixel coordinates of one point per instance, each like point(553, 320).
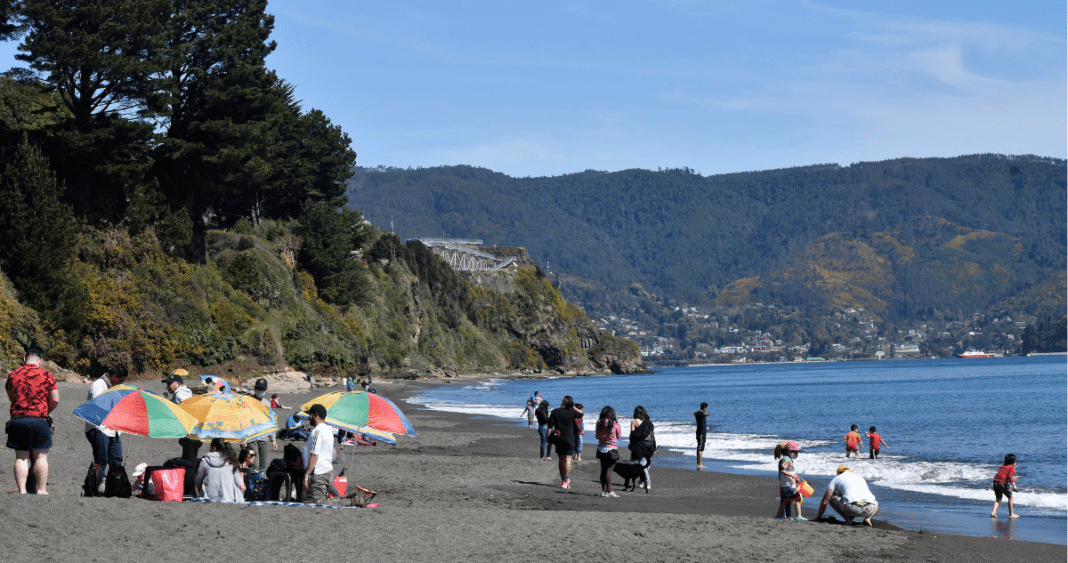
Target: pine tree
point(37, 229)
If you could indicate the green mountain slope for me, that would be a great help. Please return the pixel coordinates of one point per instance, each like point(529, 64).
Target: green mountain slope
point(901, 238)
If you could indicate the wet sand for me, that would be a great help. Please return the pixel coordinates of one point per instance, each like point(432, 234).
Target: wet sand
point(465, 488)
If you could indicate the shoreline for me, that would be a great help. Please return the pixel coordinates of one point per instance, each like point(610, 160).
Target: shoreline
point(464, 487)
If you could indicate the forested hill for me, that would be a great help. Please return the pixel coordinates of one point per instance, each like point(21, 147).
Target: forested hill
point(902, 238)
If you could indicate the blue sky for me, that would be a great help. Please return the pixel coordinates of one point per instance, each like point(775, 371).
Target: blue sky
point(548, 88)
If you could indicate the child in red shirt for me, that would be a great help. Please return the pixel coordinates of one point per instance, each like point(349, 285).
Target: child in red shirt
point(875, 441)
point(853, 441)
point(1005, 477)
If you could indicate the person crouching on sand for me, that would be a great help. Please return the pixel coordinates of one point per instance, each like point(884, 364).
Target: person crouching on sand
point(850, 497)
point(563, 420)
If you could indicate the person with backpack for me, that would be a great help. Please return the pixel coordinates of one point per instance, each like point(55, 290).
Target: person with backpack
point(106, 443)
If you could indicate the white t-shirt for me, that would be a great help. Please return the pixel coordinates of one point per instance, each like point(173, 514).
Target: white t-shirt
point(852, 487)
point(98, 386)
point(320, 443)
point(180, 394)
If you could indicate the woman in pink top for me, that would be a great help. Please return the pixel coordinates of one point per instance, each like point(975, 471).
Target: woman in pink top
point(607, 448)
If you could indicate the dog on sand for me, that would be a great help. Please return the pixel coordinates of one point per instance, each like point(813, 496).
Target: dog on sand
point(632, 473)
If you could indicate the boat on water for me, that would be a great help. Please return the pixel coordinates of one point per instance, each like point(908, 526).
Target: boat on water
point(975, 354)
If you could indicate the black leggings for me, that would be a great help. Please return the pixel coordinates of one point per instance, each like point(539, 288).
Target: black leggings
point(607, 461)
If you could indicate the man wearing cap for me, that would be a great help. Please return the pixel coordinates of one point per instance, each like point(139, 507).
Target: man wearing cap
point(318, 456)
point(849, 495)
point(176, 386)
point(107, 446)
point(179, 392)
point(259, 445)
point(34, 394)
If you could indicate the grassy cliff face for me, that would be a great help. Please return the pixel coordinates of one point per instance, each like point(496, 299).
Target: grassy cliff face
point(249, 309)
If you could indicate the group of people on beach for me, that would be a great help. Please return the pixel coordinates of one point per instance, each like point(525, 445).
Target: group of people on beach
point(224, 474)
point(847, 493)
point(563, 428)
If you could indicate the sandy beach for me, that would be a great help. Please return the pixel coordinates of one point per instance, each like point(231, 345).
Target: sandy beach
point(465, 488)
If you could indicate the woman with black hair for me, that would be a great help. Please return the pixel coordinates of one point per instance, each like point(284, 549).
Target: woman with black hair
point(562, 423)
point(219, 476)
point(642, 442)
point(607, 448)
point(542, 414)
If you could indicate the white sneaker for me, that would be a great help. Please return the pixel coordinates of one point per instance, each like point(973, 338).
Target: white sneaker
point(612, 494)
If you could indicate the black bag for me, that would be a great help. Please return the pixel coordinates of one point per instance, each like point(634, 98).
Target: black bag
point(553, 437)
point(94, 478)
point(117, 483)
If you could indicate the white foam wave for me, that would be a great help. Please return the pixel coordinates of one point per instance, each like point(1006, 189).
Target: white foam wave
point(753, 452)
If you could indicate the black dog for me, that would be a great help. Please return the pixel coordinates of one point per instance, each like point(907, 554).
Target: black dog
point(631, 473)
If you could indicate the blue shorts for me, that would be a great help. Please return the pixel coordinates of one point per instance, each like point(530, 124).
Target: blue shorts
point(26, 434)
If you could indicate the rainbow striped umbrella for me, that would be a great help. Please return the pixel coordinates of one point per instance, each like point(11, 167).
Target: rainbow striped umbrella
point(364, 413)
point(135, 411)
point(229, 416)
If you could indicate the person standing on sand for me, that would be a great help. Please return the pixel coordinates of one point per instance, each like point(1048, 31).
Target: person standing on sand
point(260, 444)
point(702, 432)
point(853, 442)
point(106, 444)
point(318, 456)
point(34, 394)
point(1005, 477)
point(179, 392)
point(642, 442)
point(563, 420)
point(608, 434)
point(542, 414)
point(580, 431)
point(529, 413)
point(850, 497)
point(789, 480)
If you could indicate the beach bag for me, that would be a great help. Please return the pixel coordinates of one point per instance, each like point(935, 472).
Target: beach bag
point(553, 437)
point(94, 481)
point(805, 489)
point(341, 483)
point(256, 489)
point(117, 483)
point(166, 484)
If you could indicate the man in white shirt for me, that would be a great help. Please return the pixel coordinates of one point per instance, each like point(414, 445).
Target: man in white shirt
point(176, 386)
point(107, 446)
point(318, 456)
point(850, 496)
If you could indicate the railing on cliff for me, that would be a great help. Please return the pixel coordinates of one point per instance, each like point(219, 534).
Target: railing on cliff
point(459, 255)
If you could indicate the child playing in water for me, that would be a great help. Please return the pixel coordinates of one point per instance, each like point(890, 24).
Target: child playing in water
point(1005, 477)
point(529, 413)
point(874, 442)
point(853, 441)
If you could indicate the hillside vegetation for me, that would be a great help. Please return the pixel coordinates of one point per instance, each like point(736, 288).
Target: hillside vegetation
point(902, 239)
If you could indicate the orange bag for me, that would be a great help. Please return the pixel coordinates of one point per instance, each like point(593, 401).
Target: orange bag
point(341, 483)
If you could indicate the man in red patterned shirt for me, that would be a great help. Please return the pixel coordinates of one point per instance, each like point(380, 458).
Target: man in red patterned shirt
point(34, 395)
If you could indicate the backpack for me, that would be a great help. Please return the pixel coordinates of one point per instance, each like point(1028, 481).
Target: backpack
point(117, 483)
point(94, 485)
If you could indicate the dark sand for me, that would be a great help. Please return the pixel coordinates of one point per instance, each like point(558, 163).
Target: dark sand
point(464, 489)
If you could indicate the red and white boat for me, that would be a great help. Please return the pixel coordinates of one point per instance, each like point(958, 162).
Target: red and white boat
point(975, 354)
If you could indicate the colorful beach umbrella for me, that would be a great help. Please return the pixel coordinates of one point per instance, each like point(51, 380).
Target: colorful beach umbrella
point(135, 411)
point(229, 416)
point(218, 383)
point(364, 413)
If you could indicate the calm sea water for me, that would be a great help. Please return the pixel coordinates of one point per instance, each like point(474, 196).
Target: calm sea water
point(948, 423)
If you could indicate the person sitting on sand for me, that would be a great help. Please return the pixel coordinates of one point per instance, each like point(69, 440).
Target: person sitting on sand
point(219, 475)
point(850, 497)
point(295, 428)
point(277, 404)
point(1005, 484)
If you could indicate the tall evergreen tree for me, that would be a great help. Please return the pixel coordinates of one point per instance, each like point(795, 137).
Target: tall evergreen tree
point(38, 230)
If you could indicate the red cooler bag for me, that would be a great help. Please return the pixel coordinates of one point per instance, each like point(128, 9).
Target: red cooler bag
point(167, 484)
point(341, 483)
